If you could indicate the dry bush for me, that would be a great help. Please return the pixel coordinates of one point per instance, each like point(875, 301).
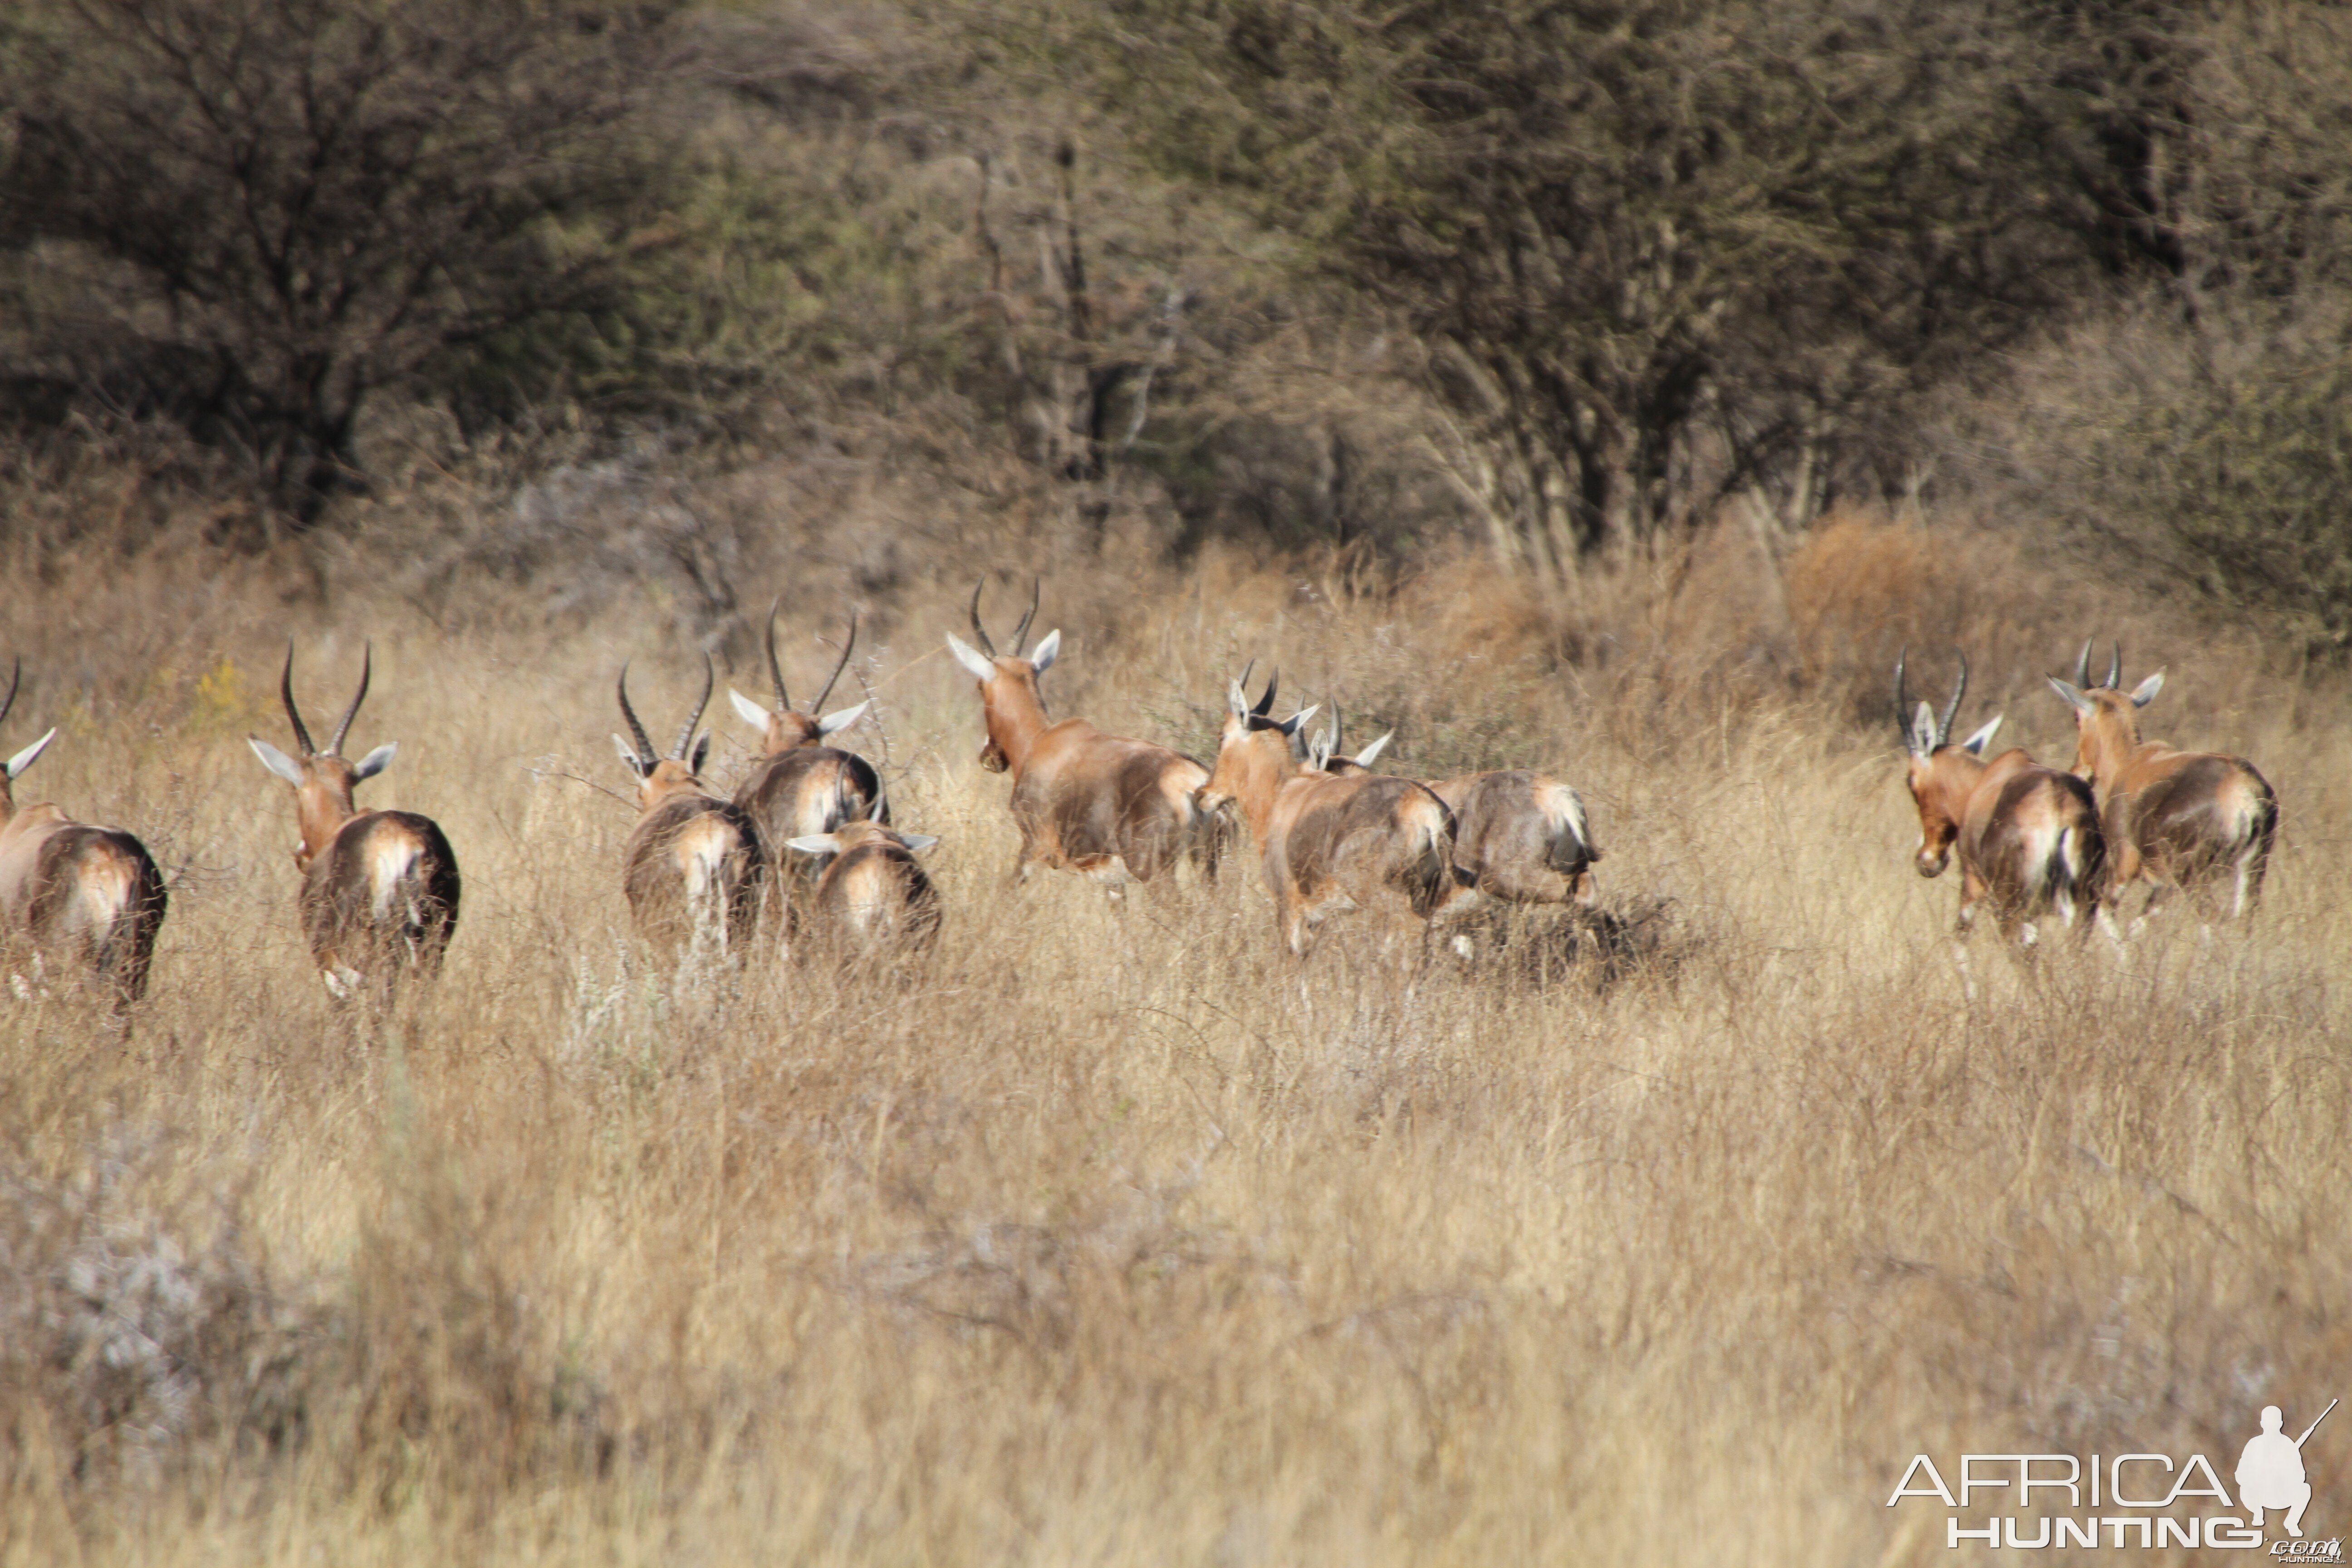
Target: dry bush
point(1122, 1237)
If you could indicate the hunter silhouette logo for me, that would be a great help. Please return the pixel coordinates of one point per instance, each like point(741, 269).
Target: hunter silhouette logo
point(2271, 1473)
point(2130, 1500)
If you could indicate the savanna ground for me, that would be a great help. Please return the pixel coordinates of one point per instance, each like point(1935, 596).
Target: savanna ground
point(1123, 1239)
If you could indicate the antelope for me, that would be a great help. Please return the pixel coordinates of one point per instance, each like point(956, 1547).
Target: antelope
point(695, 868)
point(1112, 808)
point(1330, 842)
point(2028, 836)
point(378, 888)
point(1519, 837)
point(68, 886)
point(801, 787)
point(2173, 819)
point(873, 895)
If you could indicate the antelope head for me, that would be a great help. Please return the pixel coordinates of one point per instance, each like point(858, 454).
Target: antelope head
point(1941, 774)
point(660, 778)
point(1255, 751)
point(322, 781)
point(2106, 718)
point(1008, 682)
point(783, 727)
point(22, 760)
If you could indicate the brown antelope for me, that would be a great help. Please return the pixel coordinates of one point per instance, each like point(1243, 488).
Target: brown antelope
point(378, 888)
point(2028, 836)
point(67, 886)
point(1519, 837)
point(1330, 842)
point(694, 868)
point(1111, 807)
point(873, 895)
point(801, 787)
point(2173, 819)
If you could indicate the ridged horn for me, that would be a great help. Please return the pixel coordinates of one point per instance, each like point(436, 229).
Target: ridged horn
point(367, 663)
point(15, 678)
point(2083, 666)
point(836, 669)
point(2115, 670)
point(979, 632)
point(1952, 708)
point(685, 736)
point(1902, 701)
point(1020, 632)
point(776, 670)
point(645, 754)
point(286, 690)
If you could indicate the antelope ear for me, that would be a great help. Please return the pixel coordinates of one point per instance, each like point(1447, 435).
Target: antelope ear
point(918, 842)
point(2075, 699)
point(276, 761)
point(1236, 703)
point(815, 844)
point(23, 758)
point(833, 724)
point(629, 755)
point(750, 712)
point(1290, 726)
point(375, 762)
point(1046, 652)
point(2145, 693)
point(970, 657)
point(1975, 744)
point(1364, 758)
point(1923, 730)
point(699, 753)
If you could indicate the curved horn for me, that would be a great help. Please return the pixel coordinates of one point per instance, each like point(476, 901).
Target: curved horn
point(1952, 708)
point(2115, 670)
point(367, 661)
point(775, 670)
point(2083, 666)
point(685, 736)
point(286, 689)
point(1334, 749)
point(1265, 704)
point(1020, 632)
point(645, 746)
point(1902, 701)
point(979, 632)
point(15, 679)
point(836, 669)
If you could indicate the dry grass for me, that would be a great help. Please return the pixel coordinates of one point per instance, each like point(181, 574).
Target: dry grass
point(1119, 1238)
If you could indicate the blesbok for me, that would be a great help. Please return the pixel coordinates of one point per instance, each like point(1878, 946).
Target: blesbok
point(1330, 842)
point(1113, 808)
point(2173, 819)
point(380, 888)
point(873, 895)
point(1519, 837)
point(67, 888)
point(801, 787)
point(2028, 836)
point(695, 868)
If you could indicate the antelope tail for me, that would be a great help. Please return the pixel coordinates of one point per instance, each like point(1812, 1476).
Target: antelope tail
point(1563, 811)
point(1430, 880)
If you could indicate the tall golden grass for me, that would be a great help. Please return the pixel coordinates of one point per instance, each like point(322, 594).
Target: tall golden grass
point(1121, 1237)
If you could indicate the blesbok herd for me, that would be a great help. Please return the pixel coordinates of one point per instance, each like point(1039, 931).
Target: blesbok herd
point(804, 856)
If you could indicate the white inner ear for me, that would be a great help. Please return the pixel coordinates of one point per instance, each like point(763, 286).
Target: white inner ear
point(23, 758)
point(970, 657)
point(701, 749)
point(2074, 700)
point(750, 712)
point(1236, 703)
point(1975, 744)
point(628, 754)
point(815, 844)
point(833, 724)
point(1923, 730)
point(1047, 651)
point(375, 762)
point(2146, 690)
point(1364, 758)
point(919, 841)
point(1290, 725)
point(276, 761)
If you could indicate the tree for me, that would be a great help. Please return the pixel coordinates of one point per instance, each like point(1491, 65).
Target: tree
point(252, 215)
